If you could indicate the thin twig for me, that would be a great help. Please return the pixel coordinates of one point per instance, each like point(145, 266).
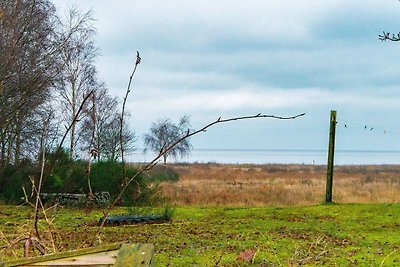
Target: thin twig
point(383, 261)
point(39, 187)
point(75, 119)
point(7, 118)
point(26, 198)
point(218, 261)
point(49, 222)
point(388, 36)
point(121, 129)
point(92, 148)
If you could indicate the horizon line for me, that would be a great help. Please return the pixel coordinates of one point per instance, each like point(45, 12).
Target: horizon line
point(289, 149)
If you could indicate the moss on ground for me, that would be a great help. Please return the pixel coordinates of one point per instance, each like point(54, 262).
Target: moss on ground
point(339, 234)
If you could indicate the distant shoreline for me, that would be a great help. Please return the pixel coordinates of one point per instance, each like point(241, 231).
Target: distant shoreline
point(172, 164)
point(139, 150)
point(281, 156)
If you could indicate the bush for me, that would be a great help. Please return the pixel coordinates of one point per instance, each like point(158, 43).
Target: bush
point(71, 177)
point(68, 177)
point(13, 178)
point(107, 176)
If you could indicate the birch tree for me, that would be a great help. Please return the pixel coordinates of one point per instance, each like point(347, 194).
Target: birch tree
point(101, 128)
point(28, 65)
point(163, 133)
point(78, 73)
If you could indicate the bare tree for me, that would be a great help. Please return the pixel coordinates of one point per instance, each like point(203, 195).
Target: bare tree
point(163, 133)
point(78, 73)
point(111, 147)
point(27, 67)
point(101, 128)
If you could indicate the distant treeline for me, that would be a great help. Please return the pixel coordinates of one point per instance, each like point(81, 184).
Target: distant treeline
point(49, 83)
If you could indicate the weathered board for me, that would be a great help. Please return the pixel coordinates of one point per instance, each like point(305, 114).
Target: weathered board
point(124, 254)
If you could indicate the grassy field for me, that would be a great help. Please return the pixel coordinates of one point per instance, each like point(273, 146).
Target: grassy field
point(281, 185)
point(225, 210)
point(331, 235)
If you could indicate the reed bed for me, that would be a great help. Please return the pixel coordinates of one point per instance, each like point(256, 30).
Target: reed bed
point(280, 184)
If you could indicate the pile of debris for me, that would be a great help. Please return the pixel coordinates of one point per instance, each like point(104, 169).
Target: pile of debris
point(101, 199)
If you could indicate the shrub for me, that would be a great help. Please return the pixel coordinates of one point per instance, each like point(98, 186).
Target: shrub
point(107, 176)
point(67, 177)
point(70, 177)
point(13, 178)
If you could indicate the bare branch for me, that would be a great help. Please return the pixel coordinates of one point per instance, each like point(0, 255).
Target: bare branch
point(7, 118)
point(171, 146)
point(75, 120)
point(137, 62)
point(92, 148)
point(388, 36)
point(39, 187)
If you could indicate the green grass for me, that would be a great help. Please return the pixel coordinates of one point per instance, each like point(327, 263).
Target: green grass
point(330, 235)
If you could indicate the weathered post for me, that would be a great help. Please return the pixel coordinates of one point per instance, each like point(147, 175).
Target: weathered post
point(331, 152)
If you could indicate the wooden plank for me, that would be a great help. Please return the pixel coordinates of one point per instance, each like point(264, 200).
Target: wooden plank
point(106, 258)
point(62, 255)
point(133, 255)
point(121, 254)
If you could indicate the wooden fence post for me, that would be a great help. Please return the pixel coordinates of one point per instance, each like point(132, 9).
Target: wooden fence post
point(135, 255)
point(331, 152)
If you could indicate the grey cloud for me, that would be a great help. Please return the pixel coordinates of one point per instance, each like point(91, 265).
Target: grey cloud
point(193, 51)
point(357, 20)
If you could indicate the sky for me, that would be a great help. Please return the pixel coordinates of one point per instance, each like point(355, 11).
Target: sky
point(219, 58)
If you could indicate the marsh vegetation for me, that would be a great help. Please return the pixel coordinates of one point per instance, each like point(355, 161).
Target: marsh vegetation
point(280, 185)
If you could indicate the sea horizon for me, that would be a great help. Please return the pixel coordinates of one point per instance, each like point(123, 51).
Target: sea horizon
point(279, 156)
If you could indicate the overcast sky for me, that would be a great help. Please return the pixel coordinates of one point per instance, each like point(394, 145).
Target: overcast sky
point(214, 58)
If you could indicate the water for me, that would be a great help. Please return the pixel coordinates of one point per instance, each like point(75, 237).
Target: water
point(265, 156)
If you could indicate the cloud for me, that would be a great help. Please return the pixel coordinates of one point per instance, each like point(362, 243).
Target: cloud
point(211, 58)
point(253, 100)
point(356, 22)
point(284, 44)
point(276, 43)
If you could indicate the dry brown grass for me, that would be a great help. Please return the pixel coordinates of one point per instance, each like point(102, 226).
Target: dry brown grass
point(280, 185)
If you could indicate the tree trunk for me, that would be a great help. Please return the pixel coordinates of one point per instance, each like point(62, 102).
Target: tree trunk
point(9, 149)
point(17, 152)
point(3, 150)
point(73, 129)
point(72, 142)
